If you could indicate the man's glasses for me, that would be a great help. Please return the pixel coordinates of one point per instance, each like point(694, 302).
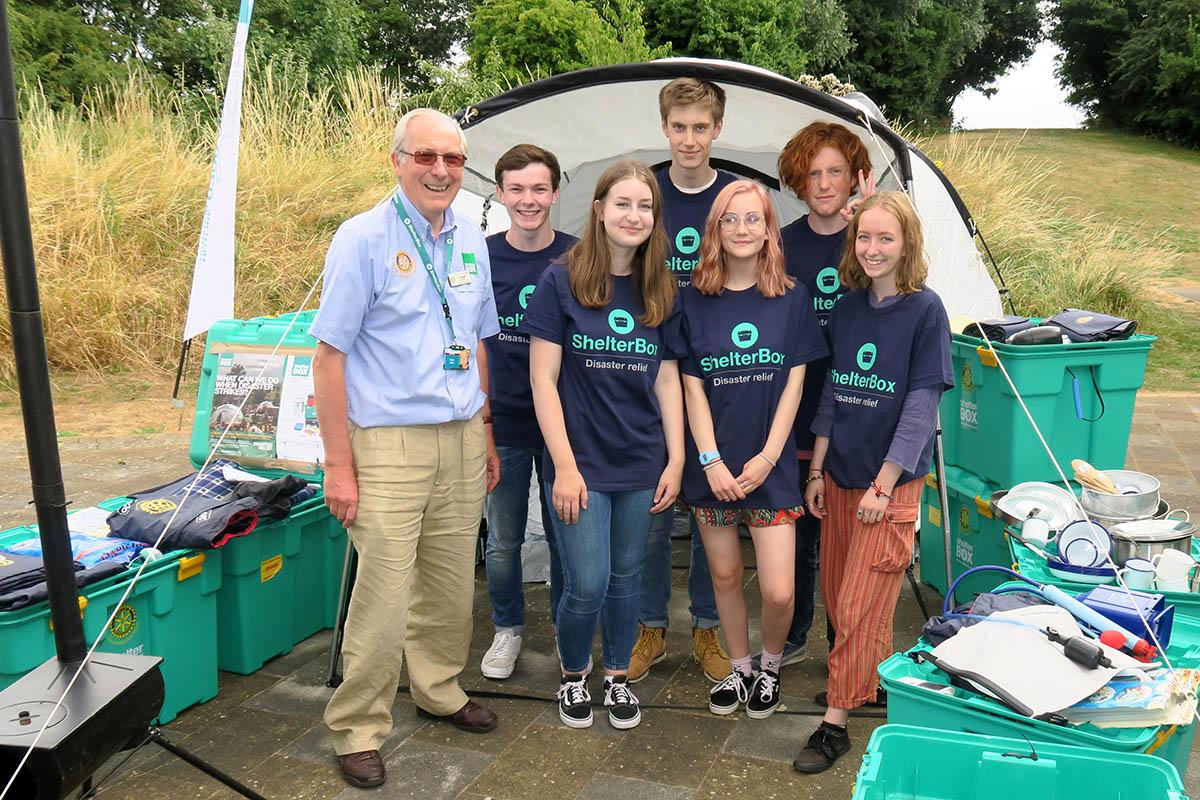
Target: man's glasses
point(427, 158)
point(754, 221)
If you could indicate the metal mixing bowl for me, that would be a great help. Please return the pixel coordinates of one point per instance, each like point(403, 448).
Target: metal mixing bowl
point(1139, 498)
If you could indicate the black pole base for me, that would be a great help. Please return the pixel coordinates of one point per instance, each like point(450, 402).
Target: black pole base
point(208, 769)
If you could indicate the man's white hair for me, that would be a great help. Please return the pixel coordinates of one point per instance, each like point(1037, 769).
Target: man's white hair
point(402, 128)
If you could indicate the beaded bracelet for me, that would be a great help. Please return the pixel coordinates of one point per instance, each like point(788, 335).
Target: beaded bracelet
point(879, 492)
point(815, 476)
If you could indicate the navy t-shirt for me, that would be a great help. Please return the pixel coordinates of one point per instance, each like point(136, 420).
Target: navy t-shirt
point(514, 275)
point(744, 346)
point(684, 215)
point(610, 362)
point(812, 259)
point(879, 355)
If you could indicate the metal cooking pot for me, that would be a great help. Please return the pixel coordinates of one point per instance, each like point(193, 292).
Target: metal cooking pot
point(1138, 499)
point(1163, 511)
point(1147, 538)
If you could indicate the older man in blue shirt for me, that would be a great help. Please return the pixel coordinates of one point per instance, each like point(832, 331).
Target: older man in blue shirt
point(401, 383)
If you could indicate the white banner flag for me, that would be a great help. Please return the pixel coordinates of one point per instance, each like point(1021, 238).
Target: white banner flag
point(212, 280)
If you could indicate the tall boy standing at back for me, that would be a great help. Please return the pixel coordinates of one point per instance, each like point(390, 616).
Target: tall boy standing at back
point(692, 111)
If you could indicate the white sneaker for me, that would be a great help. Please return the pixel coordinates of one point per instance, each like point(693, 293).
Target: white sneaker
point(500, 659)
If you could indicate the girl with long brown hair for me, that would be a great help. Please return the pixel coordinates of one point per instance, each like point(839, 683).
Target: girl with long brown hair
point(604, 339)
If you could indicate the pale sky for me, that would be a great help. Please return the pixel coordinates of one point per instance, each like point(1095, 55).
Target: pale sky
point(1029, 97)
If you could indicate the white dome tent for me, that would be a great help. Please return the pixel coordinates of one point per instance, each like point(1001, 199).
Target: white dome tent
point(593, 117)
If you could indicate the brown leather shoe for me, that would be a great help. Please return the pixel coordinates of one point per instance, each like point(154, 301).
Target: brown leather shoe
point(472, 718)
point(363, 769)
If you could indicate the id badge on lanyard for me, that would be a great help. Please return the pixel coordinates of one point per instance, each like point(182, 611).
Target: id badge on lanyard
point(454, 356)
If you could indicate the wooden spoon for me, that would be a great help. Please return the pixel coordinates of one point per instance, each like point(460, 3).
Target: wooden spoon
point(1093, 478)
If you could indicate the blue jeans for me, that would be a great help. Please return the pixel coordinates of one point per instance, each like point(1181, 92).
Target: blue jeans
point(808, 559)
point(656, 576)
point(507, 513)
point(601, 562)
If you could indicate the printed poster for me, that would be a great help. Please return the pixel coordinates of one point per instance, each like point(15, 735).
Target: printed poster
point(252, 423)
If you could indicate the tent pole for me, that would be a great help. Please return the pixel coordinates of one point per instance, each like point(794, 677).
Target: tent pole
point(943, 501)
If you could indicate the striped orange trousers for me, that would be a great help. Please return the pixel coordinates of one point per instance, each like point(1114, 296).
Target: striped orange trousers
point(862, 567)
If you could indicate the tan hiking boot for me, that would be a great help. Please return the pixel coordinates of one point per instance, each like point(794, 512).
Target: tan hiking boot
point(650, 648)
point(708, 653)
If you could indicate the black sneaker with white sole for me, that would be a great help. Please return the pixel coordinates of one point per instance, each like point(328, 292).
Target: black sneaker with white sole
point(623, 710)
point(574, 702)
point(764, 695)
point(729, 693)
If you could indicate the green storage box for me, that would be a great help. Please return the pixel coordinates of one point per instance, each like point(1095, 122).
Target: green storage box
point(967, 712)
point(976, 534)
point(171, 613)
point(281, 581)
point(236, 348)
point(280, 586)
point(904, 762)
point(985, 431)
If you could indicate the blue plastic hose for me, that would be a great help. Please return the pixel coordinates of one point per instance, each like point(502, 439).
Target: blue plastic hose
point(948, 602)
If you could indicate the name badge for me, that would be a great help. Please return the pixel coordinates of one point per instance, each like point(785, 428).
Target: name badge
point(470, 263)
point(456, 357)
point(459, 278)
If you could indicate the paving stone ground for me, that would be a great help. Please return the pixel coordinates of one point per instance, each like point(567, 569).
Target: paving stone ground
point(265, 728)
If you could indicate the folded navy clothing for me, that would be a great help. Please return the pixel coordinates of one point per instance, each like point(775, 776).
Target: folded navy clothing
point(20, 572)
point(999, 329)
point(31, 595)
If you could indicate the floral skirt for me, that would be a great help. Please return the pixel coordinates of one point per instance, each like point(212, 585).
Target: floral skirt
point(750, 517)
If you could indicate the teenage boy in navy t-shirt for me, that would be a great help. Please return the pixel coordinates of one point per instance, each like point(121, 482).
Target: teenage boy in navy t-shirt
point(692, 111)
point(822, 164)
point(527, 179)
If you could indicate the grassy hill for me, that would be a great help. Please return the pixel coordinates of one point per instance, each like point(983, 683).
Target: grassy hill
point(1091, 219)
point(1141, 183)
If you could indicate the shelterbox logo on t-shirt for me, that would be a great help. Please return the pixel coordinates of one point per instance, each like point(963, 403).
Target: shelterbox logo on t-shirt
point(828, 282)
point(621, 322)
point(744, 335)
point(514, 320)
point(687, 241)
point(866, 358)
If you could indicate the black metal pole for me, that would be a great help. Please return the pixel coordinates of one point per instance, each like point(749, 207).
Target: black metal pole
point(33, 373)
point(208, 769)
point(183, 354)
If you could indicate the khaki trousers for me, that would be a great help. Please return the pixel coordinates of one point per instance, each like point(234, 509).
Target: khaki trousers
point(420, 498)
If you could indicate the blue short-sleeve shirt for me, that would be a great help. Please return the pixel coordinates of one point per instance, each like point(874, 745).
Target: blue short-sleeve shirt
point(379, 307)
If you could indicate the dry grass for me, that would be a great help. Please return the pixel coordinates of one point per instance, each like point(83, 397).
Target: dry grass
point(117, 195)
point(1055, 257)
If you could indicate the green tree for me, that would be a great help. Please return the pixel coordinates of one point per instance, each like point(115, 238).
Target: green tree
point(53, 46)
point(781, 35)
point(1012, 30)
point(903, 51)
point(513, 40)
point(402, 35)
point(1134, 64)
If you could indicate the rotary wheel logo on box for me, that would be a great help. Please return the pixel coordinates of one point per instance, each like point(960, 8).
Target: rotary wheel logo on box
point(964, 520)
point(124, 623)
point(968, 380)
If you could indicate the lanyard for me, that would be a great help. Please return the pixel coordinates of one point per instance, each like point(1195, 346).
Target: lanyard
point(406, 218)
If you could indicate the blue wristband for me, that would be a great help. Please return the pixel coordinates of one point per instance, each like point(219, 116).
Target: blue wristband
point(708, 457)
